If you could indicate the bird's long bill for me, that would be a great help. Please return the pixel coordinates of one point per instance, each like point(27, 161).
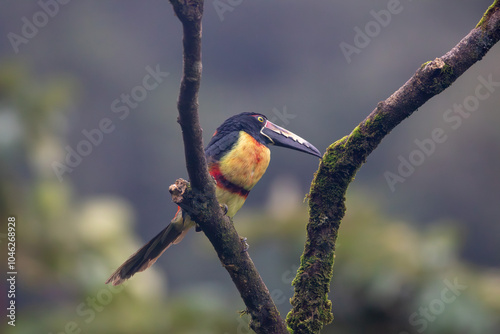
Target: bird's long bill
point(282, 137)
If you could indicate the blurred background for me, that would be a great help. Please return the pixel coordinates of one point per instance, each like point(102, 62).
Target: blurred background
point(89, 144)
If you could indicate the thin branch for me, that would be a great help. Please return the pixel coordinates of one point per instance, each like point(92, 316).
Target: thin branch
point(200, 201)
point(230, 249)
point(311, 307)
point(190, 15)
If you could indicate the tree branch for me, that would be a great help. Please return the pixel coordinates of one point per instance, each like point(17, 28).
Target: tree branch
point(200, 201)
point(190, 14)
point(311, 307)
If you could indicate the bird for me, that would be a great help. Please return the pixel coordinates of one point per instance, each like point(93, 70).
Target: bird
point(237, 157)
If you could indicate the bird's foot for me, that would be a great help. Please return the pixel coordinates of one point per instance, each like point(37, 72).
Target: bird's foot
point(243, 312)
point(197, 228)
point(224, 208)
point(245, 244)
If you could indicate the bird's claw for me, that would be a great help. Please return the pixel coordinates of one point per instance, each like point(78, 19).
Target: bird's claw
point(243, 312)
point(224, 208)
point(245, 244)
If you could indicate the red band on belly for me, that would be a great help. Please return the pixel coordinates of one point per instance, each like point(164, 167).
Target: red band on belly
point(226, 184)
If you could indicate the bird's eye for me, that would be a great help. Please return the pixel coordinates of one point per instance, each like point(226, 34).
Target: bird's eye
point(260, 119)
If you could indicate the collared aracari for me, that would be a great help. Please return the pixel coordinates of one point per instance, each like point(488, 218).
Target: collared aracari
point(237, 157)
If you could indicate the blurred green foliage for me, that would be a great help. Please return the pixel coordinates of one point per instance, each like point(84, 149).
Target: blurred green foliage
point(389, 276)
point(386, 270)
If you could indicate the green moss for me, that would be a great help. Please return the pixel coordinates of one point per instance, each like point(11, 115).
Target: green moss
point(488, 13)
point(311, 307)
point(425, 64)
point(447, 76)
point(380, 117)
point(326, 312)
point(322, 180)
point(447, 70)
point(307, 261)
point(442, 80)
point(356, 134)
point(377, 122)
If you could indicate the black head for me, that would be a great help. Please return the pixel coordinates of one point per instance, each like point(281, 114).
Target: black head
point(265, 132)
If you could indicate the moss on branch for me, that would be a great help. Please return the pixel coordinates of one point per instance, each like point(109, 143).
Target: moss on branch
point(492, 9)
point(311, 309)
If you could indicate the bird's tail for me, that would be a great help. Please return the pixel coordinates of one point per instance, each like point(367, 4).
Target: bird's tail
point(150, 252)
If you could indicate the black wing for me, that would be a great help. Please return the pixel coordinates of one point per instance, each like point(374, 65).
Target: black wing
point(220, 144)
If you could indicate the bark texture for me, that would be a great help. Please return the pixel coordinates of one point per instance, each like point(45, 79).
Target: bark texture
point(311, 307)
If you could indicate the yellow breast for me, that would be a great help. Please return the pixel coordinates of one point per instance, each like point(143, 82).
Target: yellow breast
point(245, 164)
